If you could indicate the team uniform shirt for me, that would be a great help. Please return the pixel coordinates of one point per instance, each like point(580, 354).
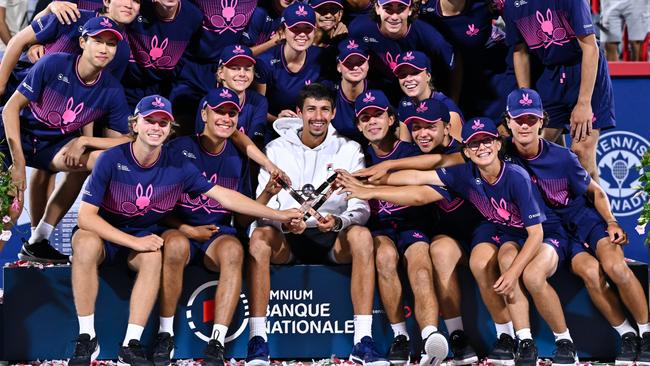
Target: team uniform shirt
point(344, 118)
point(384, 52)
point(132, 197)
point(486, 57)
point(283, 85)
point(92, 5)
point(57, 37)
point(261, 27)
point(407, 101)
point(157, 45)
point(456, 215)
point(550, 29)
point(404, 225)
point(564, 190)
point(224, 168)
point(60, 103)
point(252, 117)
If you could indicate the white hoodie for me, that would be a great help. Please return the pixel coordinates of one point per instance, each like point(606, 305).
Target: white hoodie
point(313, 166)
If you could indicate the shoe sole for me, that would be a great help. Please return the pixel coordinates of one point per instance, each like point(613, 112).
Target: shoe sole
point(466, 361)
point(436, 348)
point(361, 362)
point(643, 363)
point(501, 362)
point(171, 357)
point(400, 362)
point(93, 357)
point(624, 363)
point(575, 362)
point(27, 257)
point(257, 363)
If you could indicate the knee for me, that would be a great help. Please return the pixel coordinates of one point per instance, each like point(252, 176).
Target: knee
point(591, 275)
point(259, 246)
point(361, 246)
point(231, 254)
point(444, 254)
point(534, 279)
point(480, 266)
point(149, 262)
point(386, 261)
point(423, 278)
point(618, 272)
point(176, 248)
point(87, 248)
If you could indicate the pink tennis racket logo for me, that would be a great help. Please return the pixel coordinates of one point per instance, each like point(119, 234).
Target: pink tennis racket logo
point(301, 12)
point(155, 57)
point(525, 100)
point(106, 23)
point(238, 50)
point(142, 200)
point(228, 19)
point(225, 94)
point(471, 30)
point(157, 102)
point(408, 57)
point(69, 115)
point(422, 108)
point(477, 125)
point(352, 45)
point(549, 33)
point(501, 209)
point(368, 98)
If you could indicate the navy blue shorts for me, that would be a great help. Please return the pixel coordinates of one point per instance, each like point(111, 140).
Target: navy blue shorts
point(559, 87)
point(198, 249)
point(586, 229)
point(38, 153)
point(403, 238)
point(495, 234)
point(117, 255)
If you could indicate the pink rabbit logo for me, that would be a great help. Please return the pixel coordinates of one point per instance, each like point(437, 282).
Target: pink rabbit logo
point(301, 12)
point(142, 200)
point(418, 236)
point(238, 50)
point(368, 98)
point(225, 94)
point(157, 51)
point(555, 242)
point(408, 57)
point(496, 239)
point(352, 45)
point(422, 108)
point(525, 100)
point(154, 58)
point(69, 115)
point(157, 102)
point(477, 125)
point(471, 30)
point(501, 208)
point(548, 33)
point(202, 201)
point(391, 61)
point(228, 19)
point(106, 23)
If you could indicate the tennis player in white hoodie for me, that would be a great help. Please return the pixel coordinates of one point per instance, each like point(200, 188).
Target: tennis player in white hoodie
point(309, 151)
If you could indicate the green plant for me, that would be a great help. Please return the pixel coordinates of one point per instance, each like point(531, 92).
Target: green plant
point(8, 201)
point(644, 191)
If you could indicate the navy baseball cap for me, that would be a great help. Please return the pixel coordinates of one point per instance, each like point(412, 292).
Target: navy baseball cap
point(415, 59)
point(316, 3)
point(97, 25)
point(233, 52)
point(298, 13)
point(350, 47)
point(429, 110)
point(220, 96)
point(384, 2)
point(371, 99)
point(154, 104)
point(524, 101)
point(478, 126)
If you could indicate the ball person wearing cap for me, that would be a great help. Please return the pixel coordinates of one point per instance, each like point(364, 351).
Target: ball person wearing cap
point(61, 98)
point(133, 187)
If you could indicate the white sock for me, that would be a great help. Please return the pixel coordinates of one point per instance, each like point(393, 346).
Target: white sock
point(219, 333)
point(133, 331)
point(624, 327)
point(506, 328)
point(563, 335)
point(643, 328)
point(87, 325)
point(31, 230)
point(428, 330)
point(362, 327)
point(257, 326)
point(454, 324)
point(400, 329)
point(42, 231)
point(524, 333)
point(166, 325)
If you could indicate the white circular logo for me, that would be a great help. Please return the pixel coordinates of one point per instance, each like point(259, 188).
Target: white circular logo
point(619, 157)
point(200, 313)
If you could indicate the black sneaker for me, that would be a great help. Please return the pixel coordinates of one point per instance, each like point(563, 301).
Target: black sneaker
point(503, 352)
point(463, 352)
point(41, 252)
point(132, 355)
point(163, 349)
point(85, 351)
point(643, 358)
point(629, 349)
point(526, 354)
point(399, 353)
point(213, 354)
point(565, 353)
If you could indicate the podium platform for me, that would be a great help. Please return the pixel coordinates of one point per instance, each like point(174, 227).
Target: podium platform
point(310, 315)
